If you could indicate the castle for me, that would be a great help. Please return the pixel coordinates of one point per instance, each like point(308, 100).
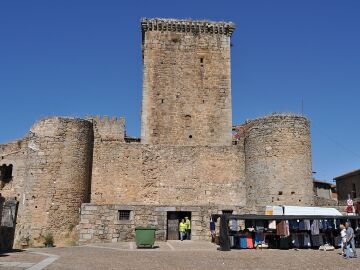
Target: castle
point(86, 174)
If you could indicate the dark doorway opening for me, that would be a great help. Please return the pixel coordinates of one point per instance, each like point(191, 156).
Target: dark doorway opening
point(5, 175)
point(173, 221)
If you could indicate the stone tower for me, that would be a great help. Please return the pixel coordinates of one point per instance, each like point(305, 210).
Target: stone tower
point(278, 161)
point(186, 82)
point(57, 179)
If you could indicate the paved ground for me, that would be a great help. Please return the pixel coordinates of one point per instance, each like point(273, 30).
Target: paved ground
point(171, 255)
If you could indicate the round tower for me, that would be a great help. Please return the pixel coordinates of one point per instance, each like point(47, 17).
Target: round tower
point(278, 161)
point(58, 176)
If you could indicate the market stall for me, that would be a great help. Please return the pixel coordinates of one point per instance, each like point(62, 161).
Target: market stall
point(282, 231)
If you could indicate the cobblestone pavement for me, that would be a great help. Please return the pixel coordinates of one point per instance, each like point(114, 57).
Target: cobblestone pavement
point(171, 255)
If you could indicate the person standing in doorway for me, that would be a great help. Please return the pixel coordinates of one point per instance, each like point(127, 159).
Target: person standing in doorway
point(188, 228)
point(350, 241)
point(182, 229)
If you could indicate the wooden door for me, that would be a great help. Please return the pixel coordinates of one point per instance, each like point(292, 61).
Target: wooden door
point(173, 226)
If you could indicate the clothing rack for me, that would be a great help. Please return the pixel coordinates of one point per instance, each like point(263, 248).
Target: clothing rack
point(224, 240)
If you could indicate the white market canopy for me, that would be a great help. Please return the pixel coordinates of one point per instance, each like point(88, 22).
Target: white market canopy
point(303, 211)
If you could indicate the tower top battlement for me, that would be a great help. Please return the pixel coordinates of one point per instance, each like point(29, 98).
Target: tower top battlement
point(194, 26)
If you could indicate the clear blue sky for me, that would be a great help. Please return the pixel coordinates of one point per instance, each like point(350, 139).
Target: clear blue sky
point(77, 58)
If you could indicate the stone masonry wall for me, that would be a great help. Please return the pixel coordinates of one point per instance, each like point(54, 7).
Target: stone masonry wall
point(100, 223)
point(278, 161)
point(14, 153)
point(186, 82)
point(180, 175)
point(345, 186)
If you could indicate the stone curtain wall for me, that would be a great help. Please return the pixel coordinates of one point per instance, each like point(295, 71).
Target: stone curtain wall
point(58, 170)
point(271, 164)
point(100, 223)
point(278, 161)
point(186, 83)
point(14, 153)
point(182, 175)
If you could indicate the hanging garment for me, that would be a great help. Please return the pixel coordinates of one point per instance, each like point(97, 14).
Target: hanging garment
point(237, 241)
point(316, 240)
point(301, 225)
point(232, 241)
point(272, 241)
point(280, 228)
point(307, 243)
point(287, 229)
point(338, 241)
point(259, 225)
point(249, 224)
point(324, 224)
point(315, 227)
point(233, 225)
point(330, 224)
point(243, 241)
point(272, 224)
point(337, 223)
point(259, 238)
point(212, 226)
point(284, 243)
point(249, 242)
point(307, 224)
point(283, 228)
point(295, 240)
point(301, 240)
point(293, 225)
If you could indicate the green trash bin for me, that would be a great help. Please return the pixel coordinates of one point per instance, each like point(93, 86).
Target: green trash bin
point(145, 236)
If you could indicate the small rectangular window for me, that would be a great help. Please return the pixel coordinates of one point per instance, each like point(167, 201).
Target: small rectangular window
point(201, 60)
point(227, 211)
point(124, 214)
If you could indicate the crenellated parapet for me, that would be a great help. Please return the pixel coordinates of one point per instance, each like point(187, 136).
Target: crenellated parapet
point(108, 129)
point(193, 26)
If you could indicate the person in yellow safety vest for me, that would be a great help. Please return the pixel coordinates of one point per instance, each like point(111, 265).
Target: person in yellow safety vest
point(182, 229)
point(188, 228)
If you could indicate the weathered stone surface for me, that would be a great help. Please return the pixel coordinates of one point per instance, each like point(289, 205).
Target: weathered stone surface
point(278, 161)
point(186, 84)
point(55, 179)
point(108, 228)
point(164, 174)
point(65, 162)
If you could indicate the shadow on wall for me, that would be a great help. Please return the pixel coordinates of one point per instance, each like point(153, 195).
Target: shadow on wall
point(8, 214)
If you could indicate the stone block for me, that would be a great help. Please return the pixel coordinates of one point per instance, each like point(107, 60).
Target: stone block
point(85, 236)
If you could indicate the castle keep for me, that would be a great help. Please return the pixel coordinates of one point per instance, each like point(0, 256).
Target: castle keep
point(85, 174)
